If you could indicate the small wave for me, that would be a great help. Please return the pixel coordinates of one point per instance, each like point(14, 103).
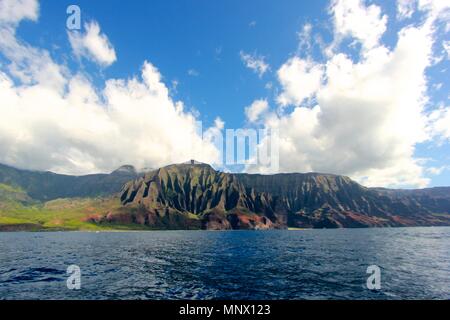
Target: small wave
point(41, 274)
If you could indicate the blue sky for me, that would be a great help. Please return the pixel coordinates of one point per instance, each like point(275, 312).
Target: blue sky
point(198, 49)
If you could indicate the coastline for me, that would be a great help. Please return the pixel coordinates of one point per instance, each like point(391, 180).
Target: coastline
point(29, 228)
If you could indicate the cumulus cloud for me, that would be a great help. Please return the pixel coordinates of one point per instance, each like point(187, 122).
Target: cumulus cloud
point(365, 114)
point(77, 132)
point(59, 121)
point(352, 18)
point(255, 63)
point(256, 109)
point(92, 44)
point(300, 79)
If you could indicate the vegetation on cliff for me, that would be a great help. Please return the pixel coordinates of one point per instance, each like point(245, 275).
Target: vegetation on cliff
point(195, 196)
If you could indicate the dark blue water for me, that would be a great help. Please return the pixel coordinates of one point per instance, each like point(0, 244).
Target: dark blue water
point(310, 264)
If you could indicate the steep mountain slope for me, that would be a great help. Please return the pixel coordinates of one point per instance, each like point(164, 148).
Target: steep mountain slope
point(46, 186)
point(222, 201)
point(10, 196)
point(219, 200)
point(324, 200)
point(412, 201)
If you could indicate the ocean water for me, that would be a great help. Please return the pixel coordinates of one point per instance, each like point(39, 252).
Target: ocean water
point(306, 264)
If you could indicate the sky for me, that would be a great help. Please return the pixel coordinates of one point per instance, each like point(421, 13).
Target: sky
point(354, 87)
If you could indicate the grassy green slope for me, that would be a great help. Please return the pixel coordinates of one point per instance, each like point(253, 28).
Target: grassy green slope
point(19, 212)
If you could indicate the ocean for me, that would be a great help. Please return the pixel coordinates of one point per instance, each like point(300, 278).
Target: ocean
point(413, 263)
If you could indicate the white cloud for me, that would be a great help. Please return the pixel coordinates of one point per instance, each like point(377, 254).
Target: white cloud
point(370, 111)
point(268, 85)
point(352, 18)
point(255, 63)
point(13, 11)
point(446, 46)
point(440, 123)
point(175, 84)
point(28, 64)
point(219, 123)
point(405, 8)
point(436, 9)
point(436, 170)
point(304, 37)
point(138, 123)
point(54, 120)
point(193, 73)
point(256, 109)
point(92, 44)
point(300, 79)
point(437, 86)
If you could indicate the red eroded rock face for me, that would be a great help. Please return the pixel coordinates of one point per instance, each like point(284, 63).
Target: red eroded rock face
point(250, 222)
point(215, 221)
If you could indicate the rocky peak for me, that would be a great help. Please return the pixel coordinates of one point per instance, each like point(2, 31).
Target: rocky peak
point(125, 169)
point(194, 162)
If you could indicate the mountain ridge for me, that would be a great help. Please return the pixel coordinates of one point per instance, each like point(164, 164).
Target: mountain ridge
point(194, 195)
point(46, 185)
point(310, 200)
